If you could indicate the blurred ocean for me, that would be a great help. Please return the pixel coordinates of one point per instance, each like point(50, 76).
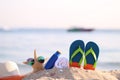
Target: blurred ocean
point(18, 45)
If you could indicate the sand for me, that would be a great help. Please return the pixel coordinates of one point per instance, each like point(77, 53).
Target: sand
point(73, 74)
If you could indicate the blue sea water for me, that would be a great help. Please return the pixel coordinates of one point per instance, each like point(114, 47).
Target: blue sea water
point(18, 45)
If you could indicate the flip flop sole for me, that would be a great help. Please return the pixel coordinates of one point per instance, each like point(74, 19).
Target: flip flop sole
point(91, 55)
point(76, 53)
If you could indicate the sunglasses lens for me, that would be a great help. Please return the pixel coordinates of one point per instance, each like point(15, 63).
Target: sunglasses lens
point(41, 59)
point(30, 61)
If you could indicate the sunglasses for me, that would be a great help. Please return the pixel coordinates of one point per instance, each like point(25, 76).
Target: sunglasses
point(31, 61)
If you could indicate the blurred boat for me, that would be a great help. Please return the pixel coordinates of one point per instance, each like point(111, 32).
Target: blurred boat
point(80, 30)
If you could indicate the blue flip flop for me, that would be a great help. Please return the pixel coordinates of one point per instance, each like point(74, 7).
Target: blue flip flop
point(91, 56)
point(51, 62)
point(76, 53)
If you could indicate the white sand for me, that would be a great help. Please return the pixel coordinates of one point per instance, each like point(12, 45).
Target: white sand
point(74, 74)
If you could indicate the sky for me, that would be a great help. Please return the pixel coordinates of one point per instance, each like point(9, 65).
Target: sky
point(100, 14)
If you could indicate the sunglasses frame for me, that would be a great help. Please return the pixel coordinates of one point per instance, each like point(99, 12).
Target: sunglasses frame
point(31, 61)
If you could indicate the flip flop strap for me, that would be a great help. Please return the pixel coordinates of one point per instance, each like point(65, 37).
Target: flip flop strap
point(91, 51)
point(75, 53)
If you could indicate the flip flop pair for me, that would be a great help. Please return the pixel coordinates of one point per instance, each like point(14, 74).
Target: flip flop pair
point(80, 52)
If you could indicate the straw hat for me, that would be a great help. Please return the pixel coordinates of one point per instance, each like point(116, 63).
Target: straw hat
point(8, 68)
